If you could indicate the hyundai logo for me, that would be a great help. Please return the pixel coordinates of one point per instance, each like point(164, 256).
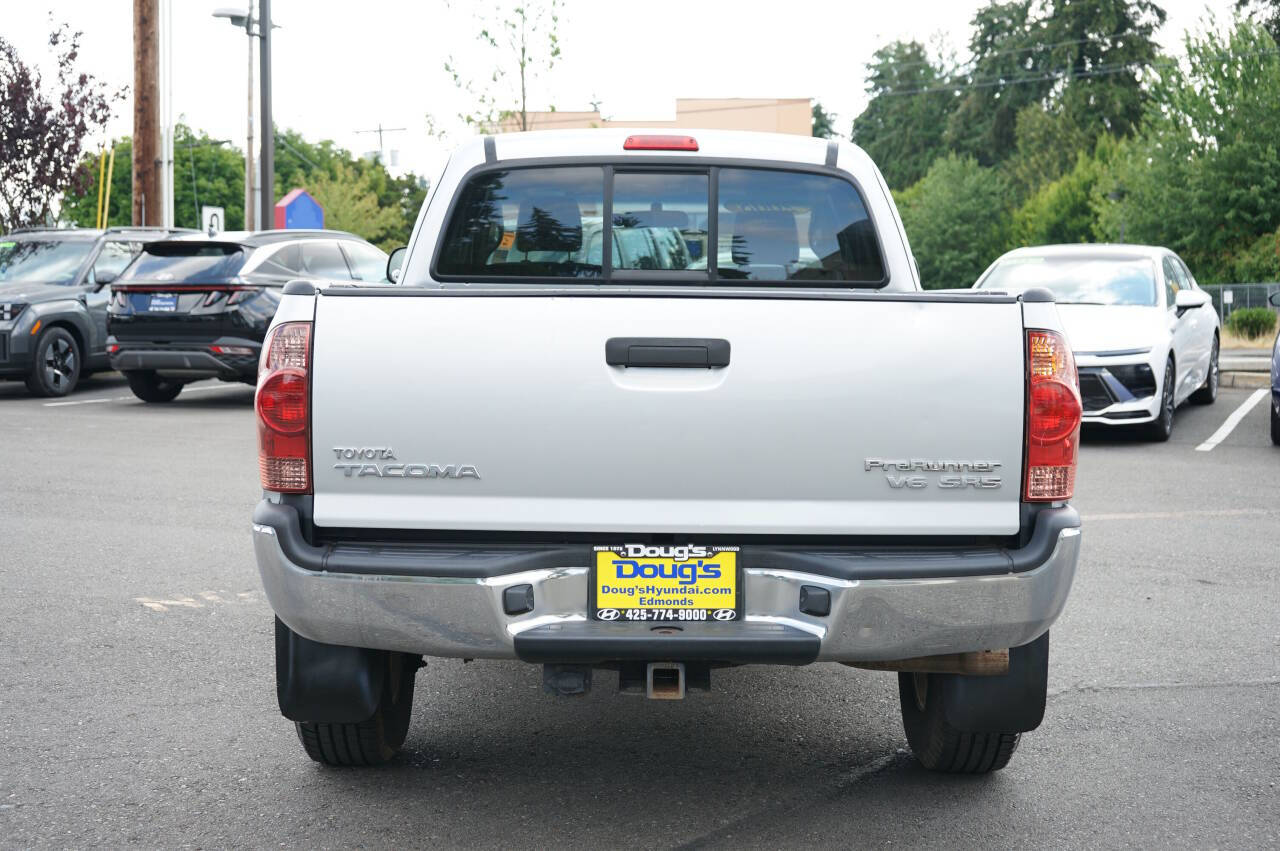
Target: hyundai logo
point(724, 614)
point(608, 614)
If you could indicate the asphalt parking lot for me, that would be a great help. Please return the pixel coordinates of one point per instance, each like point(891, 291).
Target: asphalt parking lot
point(137, 702)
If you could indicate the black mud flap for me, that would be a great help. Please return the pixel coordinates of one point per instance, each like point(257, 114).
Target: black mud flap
point(1010, 703)
point(328, 683)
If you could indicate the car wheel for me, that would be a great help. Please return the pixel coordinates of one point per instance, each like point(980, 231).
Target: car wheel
point(1208, 391)
point(376, 740)
point(55, 369)
point(939, 746)
point(149, 387)
point(1275, 424)
point(1161, 428)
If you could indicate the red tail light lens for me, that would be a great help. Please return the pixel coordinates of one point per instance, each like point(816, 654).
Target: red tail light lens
point(1053, 418)
point(283, 404)
point(660, 143)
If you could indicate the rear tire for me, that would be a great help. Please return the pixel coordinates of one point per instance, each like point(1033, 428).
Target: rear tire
point(149, 387)
point(371, 742)
point(939, 746)
point(1208, 392)
point(1275, 424)
point(55, 363)
point(1160, 429)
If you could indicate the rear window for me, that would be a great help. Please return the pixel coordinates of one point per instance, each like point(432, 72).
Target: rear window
point(186, 263)
point(1077, 279)
point(766, 226)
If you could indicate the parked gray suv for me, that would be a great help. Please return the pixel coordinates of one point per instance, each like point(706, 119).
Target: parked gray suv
point(54, 292)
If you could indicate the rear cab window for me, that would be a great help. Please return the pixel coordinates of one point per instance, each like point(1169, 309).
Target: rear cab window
point(693, 225)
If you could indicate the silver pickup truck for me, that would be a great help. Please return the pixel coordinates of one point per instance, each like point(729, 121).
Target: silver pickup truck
point(662, 405)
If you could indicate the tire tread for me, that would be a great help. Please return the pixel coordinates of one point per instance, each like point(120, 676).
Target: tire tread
point(940, 747)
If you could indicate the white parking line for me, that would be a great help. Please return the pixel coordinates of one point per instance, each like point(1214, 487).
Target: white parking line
point(1234, 420)
point(80, 402)
point(185, 391)
point(1166, 515)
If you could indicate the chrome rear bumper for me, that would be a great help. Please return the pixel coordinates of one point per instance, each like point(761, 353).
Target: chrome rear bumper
point(871, 619)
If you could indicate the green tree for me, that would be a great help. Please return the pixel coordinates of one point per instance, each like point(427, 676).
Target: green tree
point(902, 127)
point(387, 205)
point(1266, 12)
point(1048, 145)
point(1083, 60)
point(1260, 262)
point(956, 221)
point(1062, 210)
point(80, 204)
point(206, 172)
point(350, 203)
point(1203, 177)
point(903, 124)
point(823, 122)
point(300, 163)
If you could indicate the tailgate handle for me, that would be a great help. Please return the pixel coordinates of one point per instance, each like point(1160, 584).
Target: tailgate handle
point(670, 352)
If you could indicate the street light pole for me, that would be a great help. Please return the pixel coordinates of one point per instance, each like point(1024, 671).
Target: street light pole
point(267, 161)
point(248, 148)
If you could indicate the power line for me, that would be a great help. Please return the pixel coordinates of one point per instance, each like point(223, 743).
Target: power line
point(1011, 52)
point(1067, 74)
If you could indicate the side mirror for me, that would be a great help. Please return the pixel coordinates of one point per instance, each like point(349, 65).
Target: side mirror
point(102, 279)
point(1274, 298)
point(1190, 300)
point(394, 262)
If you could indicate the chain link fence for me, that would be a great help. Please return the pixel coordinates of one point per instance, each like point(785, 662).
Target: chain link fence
point(1229, 297)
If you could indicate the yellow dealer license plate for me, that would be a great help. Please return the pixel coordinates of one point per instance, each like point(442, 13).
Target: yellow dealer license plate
point(643, 582)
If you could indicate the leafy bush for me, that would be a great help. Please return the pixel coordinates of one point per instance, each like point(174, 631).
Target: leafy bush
point(1252, 322)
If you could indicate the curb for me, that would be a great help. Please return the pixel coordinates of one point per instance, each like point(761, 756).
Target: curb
point(1244, 379)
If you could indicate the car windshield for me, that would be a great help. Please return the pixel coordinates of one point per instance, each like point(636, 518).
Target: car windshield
point(1078, 280)
point(186, 262)
point(42, 261)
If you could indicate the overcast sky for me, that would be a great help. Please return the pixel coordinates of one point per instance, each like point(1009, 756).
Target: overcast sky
point(343, 66)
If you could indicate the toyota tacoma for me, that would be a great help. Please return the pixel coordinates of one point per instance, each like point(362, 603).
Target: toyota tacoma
point(657, 406)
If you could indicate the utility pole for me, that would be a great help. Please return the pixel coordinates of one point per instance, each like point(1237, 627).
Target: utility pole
point(148, 170)
point(267, 163)
point(380, 130)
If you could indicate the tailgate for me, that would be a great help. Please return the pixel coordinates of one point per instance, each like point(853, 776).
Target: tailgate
point(861, 416)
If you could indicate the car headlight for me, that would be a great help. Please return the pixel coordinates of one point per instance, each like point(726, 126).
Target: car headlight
point(10, 310)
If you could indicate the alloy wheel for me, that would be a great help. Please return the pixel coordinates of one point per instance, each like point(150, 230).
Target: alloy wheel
point(59, 364)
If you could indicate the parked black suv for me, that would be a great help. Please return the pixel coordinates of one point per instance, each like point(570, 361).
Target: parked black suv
point(198, 307)
point(54, 289)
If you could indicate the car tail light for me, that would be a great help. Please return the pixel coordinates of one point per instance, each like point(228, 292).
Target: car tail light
point(660, 143)
point(283, 404)
point(1053, 418)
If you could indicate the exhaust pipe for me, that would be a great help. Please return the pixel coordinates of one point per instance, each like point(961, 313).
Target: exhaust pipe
point(981, 663)
point(665, 681)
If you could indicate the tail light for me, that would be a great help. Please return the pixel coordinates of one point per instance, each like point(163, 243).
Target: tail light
point(1053, 418)
point(283, 404)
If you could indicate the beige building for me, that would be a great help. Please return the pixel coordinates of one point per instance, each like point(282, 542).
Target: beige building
point(772, 115)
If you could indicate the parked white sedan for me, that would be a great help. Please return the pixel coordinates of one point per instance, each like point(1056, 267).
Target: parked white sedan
point(1145, 335)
